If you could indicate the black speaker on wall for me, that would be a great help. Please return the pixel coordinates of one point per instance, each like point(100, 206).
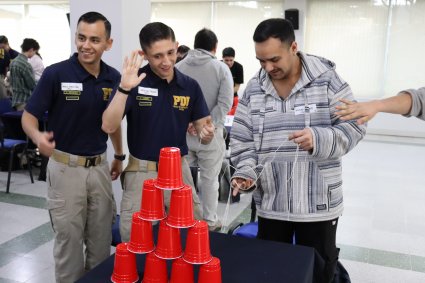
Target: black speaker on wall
point(292, 15)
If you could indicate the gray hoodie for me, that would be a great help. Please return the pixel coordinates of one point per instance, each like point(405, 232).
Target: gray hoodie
point(418, 102)
point(215, 80)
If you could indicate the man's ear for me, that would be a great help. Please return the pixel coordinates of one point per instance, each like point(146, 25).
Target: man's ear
point(109, 42)
point(294, 47)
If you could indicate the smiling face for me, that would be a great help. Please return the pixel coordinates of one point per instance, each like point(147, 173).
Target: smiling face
point(162, 56)
point(91, 41)
point(277, 58)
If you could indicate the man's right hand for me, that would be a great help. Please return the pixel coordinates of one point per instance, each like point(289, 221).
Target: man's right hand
point(45, 143)
point(361, 111)
point(130, 68)
point(241, 184)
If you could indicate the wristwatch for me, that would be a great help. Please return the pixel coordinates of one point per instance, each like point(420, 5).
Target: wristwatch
point(119, 157)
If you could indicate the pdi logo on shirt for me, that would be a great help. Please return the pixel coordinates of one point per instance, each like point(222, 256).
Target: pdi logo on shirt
point(106, 93)
point(181, 102)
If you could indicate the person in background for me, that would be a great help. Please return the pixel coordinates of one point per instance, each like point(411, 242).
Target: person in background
point(80, 201)
point(4, 63)
point(37, 65)
point(182, 52)
point(287, 143)
point(4, 44)
point(21, 74)
point(228, 55)
point(410, 102)
point(159, 102)
point(4, 67)
point(216, 83)
point(7, 54)
point(236, 68)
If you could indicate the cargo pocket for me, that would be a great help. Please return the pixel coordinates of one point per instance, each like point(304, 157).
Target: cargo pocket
point(57, 215)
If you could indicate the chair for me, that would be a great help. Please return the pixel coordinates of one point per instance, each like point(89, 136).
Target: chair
point(11, 145)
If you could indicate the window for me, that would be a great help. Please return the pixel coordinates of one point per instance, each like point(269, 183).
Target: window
point(47, 24)
point(376, 45)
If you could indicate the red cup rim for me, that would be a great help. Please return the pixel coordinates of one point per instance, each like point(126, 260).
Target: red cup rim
point(162, 257)
point(181, 226)
point(140, 251)
point(197, 262)
point(119, 281)
point(152, 219)
point(167, 188)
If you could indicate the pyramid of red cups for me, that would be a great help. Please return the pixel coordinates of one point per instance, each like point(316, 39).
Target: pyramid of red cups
point(168, 247)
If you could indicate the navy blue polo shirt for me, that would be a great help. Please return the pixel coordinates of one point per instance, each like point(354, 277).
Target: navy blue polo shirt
point(158, 113)
point(75, 101)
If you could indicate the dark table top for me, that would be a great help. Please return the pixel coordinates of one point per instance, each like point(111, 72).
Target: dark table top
point(242, 260)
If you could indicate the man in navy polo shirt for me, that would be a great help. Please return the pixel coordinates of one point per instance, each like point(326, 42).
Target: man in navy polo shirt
point(75, 93)
point(159, 110)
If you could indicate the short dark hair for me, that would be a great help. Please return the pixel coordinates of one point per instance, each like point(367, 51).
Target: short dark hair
point(205, 39)
point(154, 32)
point(277, 28)
point(29, 43)
point(183, 49)
point(228, 52)
point(92, 17)
point(3, 39)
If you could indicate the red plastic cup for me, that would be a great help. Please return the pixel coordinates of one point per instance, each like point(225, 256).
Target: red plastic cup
point(210, 272)
point(155, 270)
point(181, 272)
point(125, 270)
point(169, 244)
point(169, 169)
point(152, 205)
point(180, 214)
point(197, 249)
point(141, 236)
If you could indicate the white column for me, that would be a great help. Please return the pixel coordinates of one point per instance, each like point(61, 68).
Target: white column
point(127, 19)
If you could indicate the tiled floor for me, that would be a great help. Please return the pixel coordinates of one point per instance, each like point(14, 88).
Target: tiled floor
point(381, 233)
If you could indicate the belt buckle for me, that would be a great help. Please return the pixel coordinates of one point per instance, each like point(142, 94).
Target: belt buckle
point(90, 161)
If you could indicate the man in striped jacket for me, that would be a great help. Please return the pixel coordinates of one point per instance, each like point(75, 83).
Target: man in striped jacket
point(287, 143)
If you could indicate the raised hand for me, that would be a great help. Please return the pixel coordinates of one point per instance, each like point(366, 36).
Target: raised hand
point(130, 68)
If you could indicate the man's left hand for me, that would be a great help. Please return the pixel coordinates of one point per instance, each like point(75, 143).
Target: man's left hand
point(116, 169)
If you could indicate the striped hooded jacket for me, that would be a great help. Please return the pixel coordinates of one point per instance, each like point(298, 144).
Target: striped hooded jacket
point(294, 185)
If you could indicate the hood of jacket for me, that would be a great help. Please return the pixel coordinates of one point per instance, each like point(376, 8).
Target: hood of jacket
point(197, 57)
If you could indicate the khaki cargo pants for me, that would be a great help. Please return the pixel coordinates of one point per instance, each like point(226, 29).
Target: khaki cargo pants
point(82, 210)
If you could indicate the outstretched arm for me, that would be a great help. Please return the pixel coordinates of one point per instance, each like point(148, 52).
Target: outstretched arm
point(365, 111)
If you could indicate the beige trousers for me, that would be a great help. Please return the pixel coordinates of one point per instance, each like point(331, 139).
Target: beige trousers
point(82, 210)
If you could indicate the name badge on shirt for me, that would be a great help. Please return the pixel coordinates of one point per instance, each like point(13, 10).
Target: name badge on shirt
point(71, 86)
point(312, 108)
point(229, 120)
point(148, 91)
